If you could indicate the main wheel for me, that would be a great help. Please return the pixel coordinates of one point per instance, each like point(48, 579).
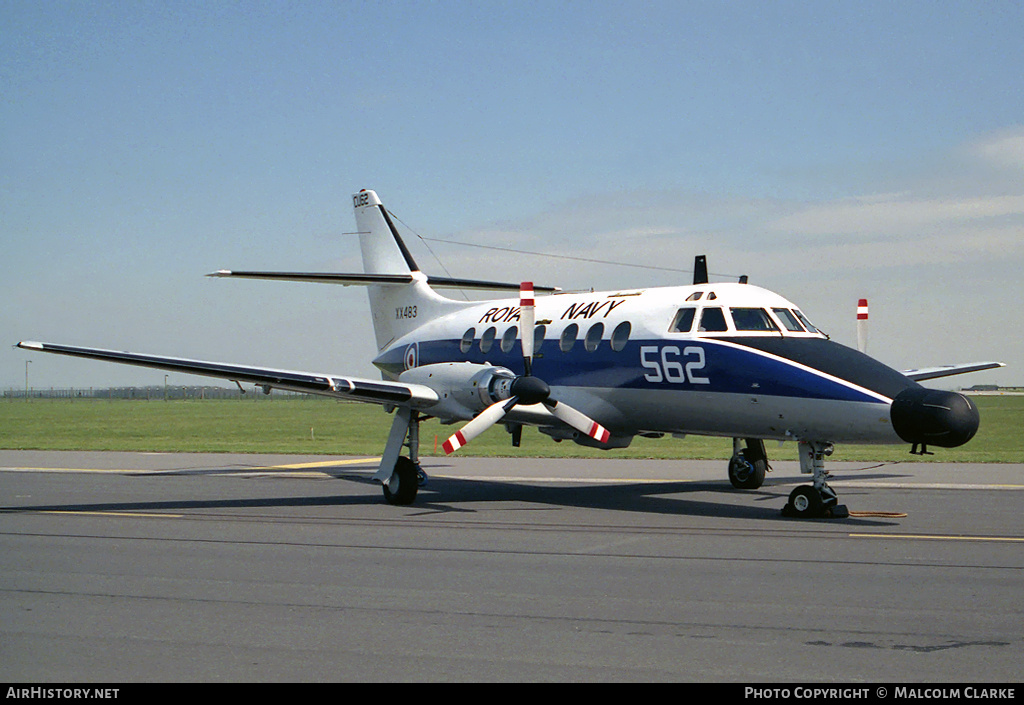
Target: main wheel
point(805, 502)
point(401, 488)
point(746, 474)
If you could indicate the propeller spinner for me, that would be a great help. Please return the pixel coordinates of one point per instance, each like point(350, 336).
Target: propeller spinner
point(526, 390)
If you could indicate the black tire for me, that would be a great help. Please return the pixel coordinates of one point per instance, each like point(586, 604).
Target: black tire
point(401, 488)
point(805, 503)
point(746, 474)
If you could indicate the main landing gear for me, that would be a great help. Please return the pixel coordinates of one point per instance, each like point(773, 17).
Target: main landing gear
point(749, 464)
point(816, 500)
point(400, 476)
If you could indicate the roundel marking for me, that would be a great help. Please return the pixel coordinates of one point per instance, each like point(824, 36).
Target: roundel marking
point(411, 356)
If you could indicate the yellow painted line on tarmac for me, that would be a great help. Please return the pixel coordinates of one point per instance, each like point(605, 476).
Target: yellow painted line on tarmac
point(147, 515)
point(320, 464)
point(869, 484)
point(940, 537)
point(254, 469)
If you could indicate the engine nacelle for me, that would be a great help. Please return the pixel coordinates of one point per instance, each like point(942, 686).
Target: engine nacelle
point(560, 433)
point(463, 388)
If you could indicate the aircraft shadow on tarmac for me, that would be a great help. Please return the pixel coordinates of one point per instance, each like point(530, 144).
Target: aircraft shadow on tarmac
point(458, 495)
point(670, 497)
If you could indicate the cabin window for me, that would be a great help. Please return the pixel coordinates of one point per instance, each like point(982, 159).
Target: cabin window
point(508, 339)
point(752, 319)
point(620, 335)
point(593, 339)
point(683, 321)
point(712, 320)
point(538, 338)
point(487, 340)
point(467, 340)
point(789, 320)
point(568, 338)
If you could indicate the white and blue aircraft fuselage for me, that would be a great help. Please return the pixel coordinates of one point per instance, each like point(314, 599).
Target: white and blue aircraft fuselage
point(599, 368)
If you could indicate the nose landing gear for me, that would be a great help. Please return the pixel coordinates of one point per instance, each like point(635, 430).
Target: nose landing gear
point(816, 500)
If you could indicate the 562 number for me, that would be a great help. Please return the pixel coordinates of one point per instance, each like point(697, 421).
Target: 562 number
point(668, 364)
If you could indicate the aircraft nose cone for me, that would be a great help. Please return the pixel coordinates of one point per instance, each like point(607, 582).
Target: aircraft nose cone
point(934, 417)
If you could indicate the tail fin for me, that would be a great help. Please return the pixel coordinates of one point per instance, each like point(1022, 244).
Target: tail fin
point(396, 310)
point(382, 247)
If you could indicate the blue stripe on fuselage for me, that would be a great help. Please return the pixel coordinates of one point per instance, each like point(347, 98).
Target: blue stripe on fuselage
point(727, 367)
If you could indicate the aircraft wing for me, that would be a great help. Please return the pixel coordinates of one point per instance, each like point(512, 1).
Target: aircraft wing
point(949, 370)
point(375, 391)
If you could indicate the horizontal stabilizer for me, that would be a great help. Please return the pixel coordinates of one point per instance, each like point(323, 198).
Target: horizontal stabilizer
point(357, 389)
point(378, 279)
point(321, 277)
point(950, 370)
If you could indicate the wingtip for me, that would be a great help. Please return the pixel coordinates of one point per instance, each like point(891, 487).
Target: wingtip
point(220, 273)
point(29, 345)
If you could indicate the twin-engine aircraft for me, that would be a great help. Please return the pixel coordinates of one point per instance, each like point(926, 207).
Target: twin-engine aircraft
point(718, 359)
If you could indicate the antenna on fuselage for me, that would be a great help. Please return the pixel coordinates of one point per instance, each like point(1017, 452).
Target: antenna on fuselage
point(700, 269)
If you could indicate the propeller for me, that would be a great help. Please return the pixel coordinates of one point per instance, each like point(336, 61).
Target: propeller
point(526, 390)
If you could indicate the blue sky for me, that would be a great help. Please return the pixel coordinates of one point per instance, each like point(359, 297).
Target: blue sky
point(829, 150)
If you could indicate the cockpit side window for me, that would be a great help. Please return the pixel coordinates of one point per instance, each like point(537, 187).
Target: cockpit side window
point(803, 319)
point(712, 320)
point(752, 319)
point(695, 296)
point(789, 320)
point(683, 321)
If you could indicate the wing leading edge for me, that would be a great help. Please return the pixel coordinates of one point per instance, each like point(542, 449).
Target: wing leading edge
point(949, 370)
point(342, 387)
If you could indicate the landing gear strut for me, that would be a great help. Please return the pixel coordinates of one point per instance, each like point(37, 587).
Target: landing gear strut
point(400, 476)
point(816, 500)
point(749, 464)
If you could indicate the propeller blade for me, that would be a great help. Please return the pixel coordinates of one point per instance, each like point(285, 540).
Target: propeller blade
point(578, 420)
point(527, 318)
point(862, 325)
point(483, 421)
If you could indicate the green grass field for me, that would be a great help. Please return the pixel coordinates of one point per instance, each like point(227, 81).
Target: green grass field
point(321, 426)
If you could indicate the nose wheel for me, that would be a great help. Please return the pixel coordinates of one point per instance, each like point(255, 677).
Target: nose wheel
point(817, 500)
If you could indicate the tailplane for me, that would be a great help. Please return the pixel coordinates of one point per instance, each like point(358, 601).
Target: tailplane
point(402, 298)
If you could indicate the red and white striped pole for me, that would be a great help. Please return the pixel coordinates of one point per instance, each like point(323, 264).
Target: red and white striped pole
point(862, 325)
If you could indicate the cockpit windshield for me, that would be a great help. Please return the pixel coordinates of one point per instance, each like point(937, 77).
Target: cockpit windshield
point(712, 320)
point(772, 318)
point(752, 319)
point(789, 320)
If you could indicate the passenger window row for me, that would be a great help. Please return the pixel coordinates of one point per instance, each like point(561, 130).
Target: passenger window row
point(566, 341)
